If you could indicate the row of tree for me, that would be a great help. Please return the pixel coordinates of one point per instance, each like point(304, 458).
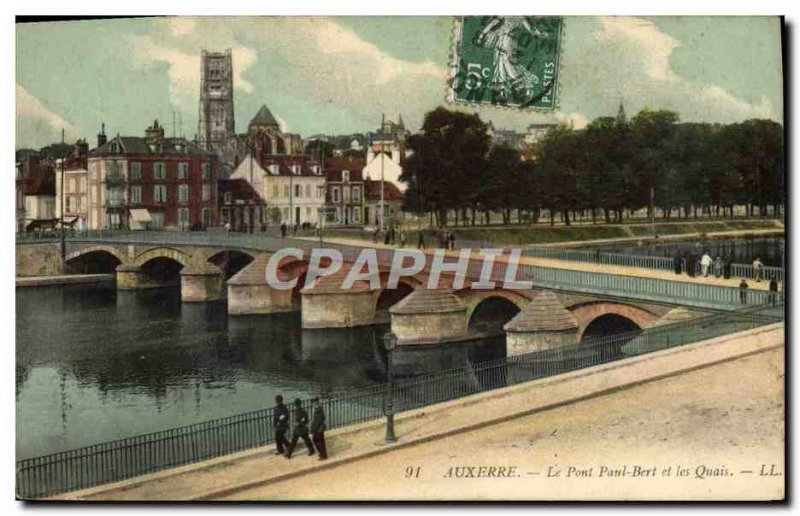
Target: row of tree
point(613, 166)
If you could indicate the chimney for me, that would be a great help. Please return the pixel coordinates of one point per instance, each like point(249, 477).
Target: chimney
point(101, 138)
point(81, 148)
point(154, 137)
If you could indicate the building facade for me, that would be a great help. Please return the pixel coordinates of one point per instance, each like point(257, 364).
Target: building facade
point(76, 187)
point(392, 203)
point(291, 186)
point(344, 191)
point(151, 183)
point(39, 199)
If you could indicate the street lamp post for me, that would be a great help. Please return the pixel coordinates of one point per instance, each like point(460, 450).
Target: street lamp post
point(389, 342)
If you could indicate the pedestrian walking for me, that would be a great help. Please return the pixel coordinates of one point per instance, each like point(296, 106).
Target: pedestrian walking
point(420, 240)
point(743, 292)
point(280, 422)
point(718, 266)
point(318, 429)
point(690, 265)
point(284, 229)
point(705, 264)
point(757, 265)
point(227, 227)
point(296, 227)
point(300, 430)
point(375, 235)
point(677, 262)
point(402, 238)
point(773, 291)
point(451, 241)
point(727, 267)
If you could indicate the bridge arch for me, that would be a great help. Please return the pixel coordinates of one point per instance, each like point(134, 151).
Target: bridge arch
point(162, 252)
point(93, 260)
point(489, 310)
point(231, 261)
point(596, 315)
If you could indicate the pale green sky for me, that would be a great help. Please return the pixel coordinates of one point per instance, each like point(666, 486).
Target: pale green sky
point(336, 75)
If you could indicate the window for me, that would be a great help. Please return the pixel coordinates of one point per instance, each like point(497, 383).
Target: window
point(308, 212)
point(183, 216)
point(298, 191)
point(183, 170)
point(156, 220)
point(136, 170)
point(356, 194)
point(275, 191)
point(159, 170)
point(93, 171)
point(335, 194)
point(206, 192)
point(356, 214)
point(183, 193)
point(286, 191)
point(206, 168)
point(160, 193)
point(228, 198)
point(345, 175)
point(136, 194)
point(308, 190)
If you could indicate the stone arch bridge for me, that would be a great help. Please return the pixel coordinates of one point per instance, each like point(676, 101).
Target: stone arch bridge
point(418, 315)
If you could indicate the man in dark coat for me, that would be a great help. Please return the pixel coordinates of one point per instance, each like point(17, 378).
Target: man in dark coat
point(318, 429)
point(300, 430)
point(280, 422)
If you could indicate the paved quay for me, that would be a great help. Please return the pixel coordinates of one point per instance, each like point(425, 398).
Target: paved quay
point(244, 475)
point(603, 449)
point(639, 272)
point(65, 279)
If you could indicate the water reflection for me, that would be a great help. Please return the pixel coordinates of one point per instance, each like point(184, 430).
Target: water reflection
point(96, 364)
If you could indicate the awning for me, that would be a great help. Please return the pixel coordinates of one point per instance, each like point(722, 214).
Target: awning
point(140, 215)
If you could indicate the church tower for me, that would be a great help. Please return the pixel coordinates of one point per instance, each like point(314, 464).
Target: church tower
point(215, 121)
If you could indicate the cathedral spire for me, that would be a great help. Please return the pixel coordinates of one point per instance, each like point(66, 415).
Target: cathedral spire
point(621, 118)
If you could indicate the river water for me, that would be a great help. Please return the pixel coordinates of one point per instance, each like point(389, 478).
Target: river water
point(95, 364)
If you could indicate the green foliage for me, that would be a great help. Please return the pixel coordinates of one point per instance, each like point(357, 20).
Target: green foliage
point(611, 166)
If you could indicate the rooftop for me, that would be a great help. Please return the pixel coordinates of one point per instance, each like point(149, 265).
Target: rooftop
point(544, 313)
point(138, 145)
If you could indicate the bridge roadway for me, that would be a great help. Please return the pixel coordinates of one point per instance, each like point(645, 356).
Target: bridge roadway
point(636, 284)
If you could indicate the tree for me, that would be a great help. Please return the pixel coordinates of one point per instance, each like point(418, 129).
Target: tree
point(319, 149)
point(444, 171)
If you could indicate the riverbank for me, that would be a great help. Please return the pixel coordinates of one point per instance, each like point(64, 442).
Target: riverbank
point(243, 475)
point(583, 234)
point(64, 279)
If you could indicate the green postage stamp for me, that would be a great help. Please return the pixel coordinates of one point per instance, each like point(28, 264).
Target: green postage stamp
point(506, 61)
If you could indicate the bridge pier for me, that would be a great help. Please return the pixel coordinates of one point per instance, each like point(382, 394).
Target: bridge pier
point(133, 277)
point(203, 282)
point(543, 324)
point(429, 317)
point(327, 305)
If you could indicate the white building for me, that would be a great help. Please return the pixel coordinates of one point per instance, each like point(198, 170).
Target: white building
point(293, 184)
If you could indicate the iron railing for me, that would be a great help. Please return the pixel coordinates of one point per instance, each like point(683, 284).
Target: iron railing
point(125, 458)
point(602, 258)
point(740, 270)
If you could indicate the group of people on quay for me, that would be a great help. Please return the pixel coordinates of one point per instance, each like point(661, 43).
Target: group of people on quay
point(301, 430)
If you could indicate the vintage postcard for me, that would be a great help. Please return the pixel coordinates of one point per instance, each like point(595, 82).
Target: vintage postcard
point(419, 258)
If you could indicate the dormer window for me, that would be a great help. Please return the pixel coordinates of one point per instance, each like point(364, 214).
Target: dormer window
point(296, 169)
point(115, 146)
point(315, 169)
point(345, 176)
point(273, 169)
